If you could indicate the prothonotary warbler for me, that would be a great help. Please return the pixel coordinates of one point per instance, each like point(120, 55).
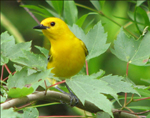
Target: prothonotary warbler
point(67, 53)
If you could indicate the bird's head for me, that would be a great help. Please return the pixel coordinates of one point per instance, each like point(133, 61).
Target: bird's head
point(53, 27)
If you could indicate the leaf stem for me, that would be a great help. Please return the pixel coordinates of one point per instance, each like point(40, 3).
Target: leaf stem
point(127, 69)
point(57, 83)
point(7, 68)
point(2, 71)
point(7, 77)
point(87, 69)
point(141, 99)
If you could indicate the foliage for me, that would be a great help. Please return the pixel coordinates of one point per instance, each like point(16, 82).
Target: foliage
point(104, 91)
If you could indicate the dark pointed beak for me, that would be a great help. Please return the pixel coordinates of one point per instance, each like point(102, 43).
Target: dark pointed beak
point(40, 27)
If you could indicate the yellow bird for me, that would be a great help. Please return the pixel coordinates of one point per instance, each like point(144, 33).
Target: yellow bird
point(67, 53)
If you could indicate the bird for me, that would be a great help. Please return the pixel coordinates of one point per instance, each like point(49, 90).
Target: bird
point(67, 53)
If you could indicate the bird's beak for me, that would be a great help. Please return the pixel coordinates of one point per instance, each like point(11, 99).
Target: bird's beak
point(40, 27)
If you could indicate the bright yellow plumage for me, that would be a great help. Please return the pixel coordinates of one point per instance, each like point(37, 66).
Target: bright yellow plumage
point(67, 52)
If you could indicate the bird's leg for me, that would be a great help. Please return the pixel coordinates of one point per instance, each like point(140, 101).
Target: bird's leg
point(71, 94)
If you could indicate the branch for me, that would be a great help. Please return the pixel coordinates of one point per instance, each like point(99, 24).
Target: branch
point(53, 96)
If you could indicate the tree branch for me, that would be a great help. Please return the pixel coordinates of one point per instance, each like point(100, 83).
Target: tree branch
point(53, 96)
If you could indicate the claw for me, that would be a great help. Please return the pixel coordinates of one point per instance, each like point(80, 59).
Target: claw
point(71, 95)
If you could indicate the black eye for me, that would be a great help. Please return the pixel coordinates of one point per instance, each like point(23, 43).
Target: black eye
point(52, 23)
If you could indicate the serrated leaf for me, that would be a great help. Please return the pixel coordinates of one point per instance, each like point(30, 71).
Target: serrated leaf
point(4, 60)
point(98, 74)
point(10, 113)
point(19, 92)
point(130, 50)
point(118, 85)
point(96, 41)
point(90, 89)
point(70, 12)
point(102, 115)
point(43, 50)
point(30, 113)
point(21, 78)
point(29, 60)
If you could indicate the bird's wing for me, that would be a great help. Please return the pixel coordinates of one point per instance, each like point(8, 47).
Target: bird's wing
point(50, 57)
point(84, 47)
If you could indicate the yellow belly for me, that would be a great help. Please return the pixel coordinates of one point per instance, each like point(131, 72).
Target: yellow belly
point(68, 60)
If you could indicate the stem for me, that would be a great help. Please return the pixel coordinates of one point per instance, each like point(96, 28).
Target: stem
point(7, 69)
point(7, 77)
point(141, 99)
point(130, 100)
point(31, 14)
point(101, 13)
point(57, 83)
point(2, 71)
point(87, 69)
point(127, 69)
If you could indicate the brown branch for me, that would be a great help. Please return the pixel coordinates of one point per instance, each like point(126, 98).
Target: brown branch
point(53, 96)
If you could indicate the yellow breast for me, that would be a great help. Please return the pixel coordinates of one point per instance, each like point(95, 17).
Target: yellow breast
point(68, 57)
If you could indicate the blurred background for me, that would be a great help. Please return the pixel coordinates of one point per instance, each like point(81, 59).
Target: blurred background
point(108, 62)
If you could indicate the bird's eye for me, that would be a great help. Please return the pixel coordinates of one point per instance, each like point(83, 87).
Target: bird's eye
point(52, 23)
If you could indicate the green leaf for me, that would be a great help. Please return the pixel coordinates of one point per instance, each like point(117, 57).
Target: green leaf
point(118, 85)
point(130, 50)
point(96, 4)
point(43, 50)
point(146, 80)
point(81, 20)
point(10, 50)
point(70, 12)
point(138, 2)
point(96, 41)
point(21, 78)
point(140, 15)
point(10, 113)
point(30, 113)
point(19, 92)
point(57, 5)
point(3, 99)
point(148, 116)
point(93, 90)
point(40, 10)
point(4, 60)
point(29, 60)
point(102, 115)
point(143, 92)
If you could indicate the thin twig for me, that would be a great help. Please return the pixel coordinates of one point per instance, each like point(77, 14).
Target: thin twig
point(141, 99)
point(30, 13)
point(2, 71)
point(7, 68)
point(87, 69)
